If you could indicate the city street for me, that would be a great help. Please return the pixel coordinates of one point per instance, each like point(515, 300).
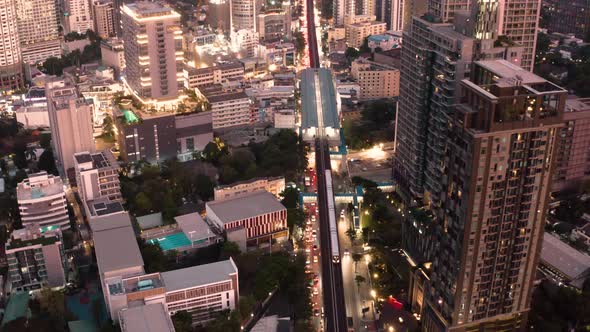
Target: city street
point(356, 297)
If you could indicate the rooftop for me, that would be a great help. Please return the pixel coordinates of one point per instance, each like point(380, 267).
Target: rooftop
point(146, 318)
point(102, 159)
point(227, 96)
point(309, 93)
point(15, 243)
point(563, 257)
point(116, 248)
point(242, 207)
point(506, 70)
point(193, 226)
point(102, 207)
point(199, 275)
point(577, 104)
point(39, 185)
point(144, 10)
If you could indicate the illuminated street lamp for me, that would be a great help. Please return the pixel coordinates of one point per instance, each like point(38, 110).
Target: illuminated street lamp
point(373, 293)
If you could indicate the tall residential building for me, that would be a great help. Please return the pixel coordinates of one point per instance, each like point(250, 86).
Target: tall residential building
point(243, 14)
point(103, 12)
point(42, 202)
point(567, 16)
point(35, 260)
point(516, 19)
point(70, 117)
point(572, 167)
point(11, 71)
point(78, 16)
point(153, 50)
point(219, 15)
point(430, 72)
point(97, 175)
point(483, 251)
point(392, 13)
point(37, 30)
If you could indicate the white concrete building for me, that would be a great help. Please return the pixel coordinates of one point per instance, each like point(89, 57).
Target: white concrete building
point(77, 16)
point(42, 201)
point(146, 318)
point(230, 109)
point(70, 116)
point(33, 115)
point(35, 259)
point(97, 175)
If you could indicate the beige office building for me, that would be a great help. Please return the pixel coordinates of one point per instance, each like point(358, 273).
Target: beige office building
point(153, 50)
point(37, 30)
point(70, 117)
point(104, 20)
point(77, 16)
point(375, 80)
point(357, 32)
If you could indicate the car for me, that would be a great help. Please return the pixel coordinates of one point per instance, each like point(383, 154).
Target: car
point(308, 261)
point(315, 259)
point(364, 169)
point(307, 250)
point(315, 291)
point(314, 232)
point(315, 247)
point(346, 252)
point(316, 313)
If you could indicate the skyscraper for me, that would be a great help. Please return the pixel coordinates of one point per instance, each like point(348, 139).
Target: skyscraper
point(37, 30)
point(70, 117)
point(153, 50)
point(497, 173)
point(11, 76)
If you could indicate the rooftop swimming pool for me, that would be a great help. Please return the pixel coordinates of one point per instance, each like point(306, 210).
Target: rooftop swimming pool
point(171, 241)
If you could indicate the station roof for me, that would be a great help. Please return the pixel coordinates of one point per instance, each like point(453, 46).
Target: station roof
point(327, 94)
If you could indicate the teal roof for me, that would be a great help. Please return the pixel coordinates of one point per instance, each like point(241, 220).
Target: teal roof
point(379, 38)
point(327, 92)
point(17, 307)
point(130, 117)
point(82, 326)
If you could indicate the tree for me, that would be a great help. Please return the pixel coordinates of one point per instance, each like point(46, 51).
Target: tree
point(142, 203)
point(351, 53)
point(153, 256)
point(230, 249)
point(351, 233)
point(204, 187)
point(356, 257)
point(365, 46)
point(299, 42)
point(290, 198)
point(53, 303)
point(47, 162)
point(295, 217)
point(246, 306)
point(359, 279)
point(107, 125)
point(182, 321)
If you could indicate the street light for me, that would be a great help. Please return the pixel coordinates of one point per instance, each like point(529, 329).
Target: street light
point(373, 293)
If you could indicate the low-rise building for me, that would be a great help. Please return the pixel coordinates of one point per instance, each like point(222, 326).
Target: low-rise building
point(357, 32)
point(336, 34)
point(274, 186)
point(33, 115)
point(113, 54)
point(193, 132)
point(572, 167)
point(562, 262)
point(146, 318)
point(42, 201)
point(196, 77)
point(375, 80)
point(284, 119)
point(189, 233)
point(277, 54)
point(229, 108)
point(97, 175)
point(35, 259)
point(144, 136)
point(260, 214)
